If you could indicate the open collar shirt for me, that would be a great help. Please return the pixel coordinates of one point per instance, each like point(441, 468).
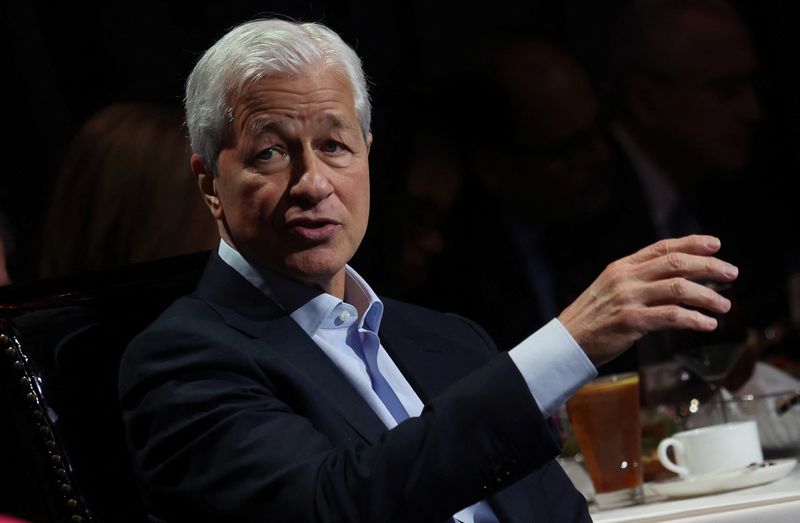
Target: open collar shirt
point(550, 360)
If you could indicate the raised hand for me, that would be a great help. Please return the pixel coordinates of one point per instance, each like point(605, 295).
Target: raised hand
point(649, 291)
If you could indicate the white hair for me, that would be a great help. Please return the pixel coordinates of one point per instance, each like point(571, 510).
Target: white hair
point(252, 51)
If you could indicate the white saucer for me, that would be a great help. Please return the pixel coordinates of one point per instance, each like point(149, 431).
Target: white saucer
point(724, 481)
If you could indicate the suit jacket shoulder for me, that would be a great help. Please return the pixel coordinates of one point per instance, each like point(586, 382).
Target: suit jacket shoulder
point(234, 414)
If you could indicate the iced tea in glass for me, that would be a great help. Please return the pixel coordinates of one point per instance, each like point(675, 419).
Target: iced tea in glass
point(604, 415)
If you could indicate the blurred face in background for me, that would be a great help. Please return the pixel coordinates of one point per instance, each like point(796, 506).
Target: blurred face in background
point(699, 101)
point(557, 149)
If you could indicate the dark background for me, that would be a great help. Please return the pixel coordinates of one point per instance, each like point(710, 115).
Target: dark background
point(64, 61)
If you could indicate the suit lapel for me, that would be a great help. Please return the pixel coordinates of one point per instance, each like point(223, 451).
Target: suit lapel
point(302, 353)
point(411, 358)
point(432, 363)
point(429, 359)
point(245, 308)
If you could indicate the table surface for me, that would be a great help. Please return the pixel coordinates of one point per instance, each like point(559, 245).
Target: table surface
point(776, 502)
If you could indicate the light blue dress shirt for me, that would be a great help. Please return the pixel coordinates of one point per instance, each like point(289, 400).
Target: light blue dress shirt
point(552, 363)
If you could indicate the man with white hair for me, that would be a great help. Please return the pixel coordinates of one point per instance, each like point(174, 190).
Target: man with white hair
point(284, 389)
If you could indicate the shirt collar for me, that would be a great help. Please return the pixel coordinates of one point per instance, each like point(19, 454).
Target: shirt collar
point(358, 293)
point(311, 308)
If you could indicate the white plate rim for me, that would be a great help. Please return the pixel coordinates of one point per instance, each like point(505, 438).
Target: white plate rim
point(723, 482)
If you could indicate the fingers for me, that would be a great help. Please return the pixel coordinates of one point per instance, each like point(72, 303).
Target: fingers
point(699, 244)
point(696, 267)
point(665, 317)
point(685, 292)
point(648, 291)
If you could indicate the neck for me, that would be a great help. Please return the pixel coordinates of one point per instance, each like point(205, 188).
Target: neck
point(675, 165)
point(334, 285)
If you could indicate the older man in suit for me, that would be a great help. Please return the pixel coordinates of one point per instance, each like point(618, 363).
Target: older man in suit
point(284, 389)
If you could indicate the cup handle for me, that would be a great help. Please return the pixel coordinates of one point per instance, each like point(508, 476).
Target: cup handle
point(664, 459)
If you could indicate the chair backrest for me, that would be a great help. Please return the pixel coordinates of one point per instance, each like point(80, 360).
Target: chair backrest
point(62, 441)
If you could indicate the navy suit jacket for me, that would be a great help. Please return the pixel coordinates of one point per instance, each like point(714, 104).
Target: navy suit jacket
point(234, 414)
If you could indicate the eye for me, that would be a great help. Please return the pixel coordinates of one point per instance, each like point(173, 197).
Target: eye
point(270, 154)
point(270, 159)
point(332, 147)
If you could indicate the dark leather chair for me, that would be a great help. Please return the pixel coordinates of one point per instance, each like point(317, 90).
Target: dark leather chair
point(62, 444)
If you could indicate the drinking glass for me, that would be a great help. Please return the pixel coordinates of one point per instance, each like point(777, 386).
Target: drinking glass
point(605, 417)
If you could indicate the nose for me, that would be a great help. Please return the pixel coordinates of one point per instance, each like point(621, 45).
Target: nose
point(311, 182)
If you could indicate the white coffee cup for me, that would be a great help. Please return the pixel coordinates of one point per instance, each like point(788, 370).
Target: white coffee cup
point(713, 449)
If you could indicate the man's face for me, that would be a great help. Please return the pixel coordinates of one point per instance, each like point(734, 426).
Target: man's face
point(292, 192)
point(707, 109)
point(557, 150)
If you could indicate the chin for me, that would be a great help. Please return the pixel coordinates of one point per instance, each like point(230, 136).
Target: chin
point(314, 266)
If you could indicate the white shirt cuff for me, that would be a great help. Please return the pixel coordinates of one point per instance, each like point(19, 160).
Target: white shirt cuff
point(553, 365)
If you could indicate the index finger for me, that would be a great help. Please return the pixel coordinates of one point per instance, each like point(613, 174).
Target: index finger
point(701, 244)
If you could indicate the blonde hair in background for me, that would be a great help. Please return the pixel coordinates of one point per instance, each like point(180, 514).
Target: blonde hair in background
point(125, 194)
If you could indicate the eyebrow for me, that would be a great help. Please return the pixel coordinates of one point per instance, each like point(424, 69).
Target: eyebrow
point(336, 122)
point(266, 125)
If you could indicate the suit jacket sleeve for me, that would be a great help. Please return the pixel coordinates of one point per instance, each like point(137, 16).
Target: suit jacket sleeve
point(217, 433)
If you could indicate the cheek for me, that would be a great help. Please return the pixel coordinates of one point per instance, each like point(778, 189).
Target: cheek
point(364, 197)
point(359, 211)
point(706, 113)
point(681, 109)
point(357, 194)
point(251, 208)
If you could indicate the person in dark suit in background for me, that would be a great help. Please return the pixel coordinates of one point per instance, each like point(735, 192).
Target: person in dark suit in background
point(284, 389)
point(684, 85)
point(681, 88)
point(538, 181)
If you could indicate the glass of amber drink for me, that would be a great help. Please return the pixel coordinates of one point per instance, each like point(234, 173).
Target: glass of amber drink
point(604, 415)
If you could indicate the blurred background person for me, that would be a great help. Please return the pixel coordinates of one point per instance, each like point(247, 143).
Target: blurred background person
point(6, 249)
point(532, 181)
point(417, 189)
point(686, 111)
point(125, 194)
point(681, 86)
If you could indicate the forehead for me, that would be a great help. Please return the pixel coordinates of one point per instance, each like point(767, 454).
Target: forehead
point(709, 46)
point(318, 95)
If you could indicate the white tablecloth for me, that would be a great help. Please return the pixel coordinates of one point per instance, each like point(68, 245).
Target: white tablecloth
point(777, 502)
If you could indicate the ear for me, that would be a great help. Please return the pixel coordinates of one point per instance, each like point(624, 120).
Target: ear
point(369, 142)
point(208, 186)
point(643, 99)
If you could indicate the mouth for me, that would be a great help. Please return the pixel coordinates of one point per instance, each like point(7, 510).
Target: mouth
point(315, 230)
